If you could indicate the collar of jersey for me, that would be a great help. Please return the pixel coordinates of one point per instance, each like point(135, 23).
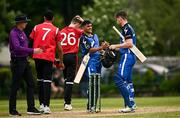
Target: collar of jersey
point(47, 22)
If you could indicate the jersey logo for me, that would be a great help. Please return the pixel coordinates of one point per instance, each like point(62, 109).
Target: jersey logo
point(84, 41)
point(125, 30)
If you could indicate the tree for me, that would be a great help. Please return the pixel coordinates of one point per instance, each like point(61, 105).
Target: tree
point(5, 21)
point(64, 10)
point(162, 17)
point(102, 15)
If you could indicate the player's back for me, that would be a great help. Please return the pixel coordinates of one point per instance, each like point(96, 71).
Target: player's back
point(69, 38)
point(44, 36)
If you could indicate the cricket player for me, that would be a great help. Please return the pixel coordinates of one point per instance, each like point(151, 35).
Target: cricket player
point(45, 35)
point(89, 42)
point(69, 39)
point(123, 78)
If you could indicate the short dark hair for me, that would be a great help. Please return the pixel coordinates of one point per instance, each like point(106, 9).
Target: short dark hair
point(85, 23)
point(122, 14)
point(49, 15)
point(76, 20)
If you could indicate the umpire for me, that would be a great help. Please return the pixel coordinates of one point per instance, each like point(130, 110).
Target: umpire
point(20, 68)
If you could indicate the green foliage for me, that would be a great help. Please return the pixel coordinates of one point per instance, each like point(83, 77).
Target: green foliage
point(162, 17)
point(102, 15)
point(6, 21)
point(171, 85)
point(64, 11)
point(5, 81)
point(148, 83)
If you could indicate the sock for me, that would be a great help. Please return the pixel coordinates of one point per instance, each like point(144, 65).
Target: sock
point(68, 92)
point(41, 91)
point(47, 93)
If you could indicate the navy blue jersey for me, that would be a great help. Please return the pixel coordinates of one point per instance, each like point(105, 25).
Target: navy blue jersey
point(128, 33)
point(94, 64)
point(87, 42)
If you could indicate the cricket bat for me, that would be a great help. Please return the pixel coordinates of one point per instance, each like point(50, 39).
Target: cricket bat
point(134, 49)
point(82, 68)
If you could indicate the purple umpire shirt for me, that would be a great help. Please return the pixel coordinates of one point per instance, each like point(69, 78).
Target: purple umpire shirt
point(18, 43)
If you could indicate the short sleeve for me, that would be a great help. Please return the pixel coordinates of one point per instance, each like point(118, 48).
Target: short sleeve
point(59, 36)
point(128, 34)
point(79, 32)
point(32, 35)
point(85, 43)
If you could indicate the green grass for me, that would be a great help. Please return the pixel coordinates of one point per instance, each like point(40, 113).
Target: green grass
point(108, 103)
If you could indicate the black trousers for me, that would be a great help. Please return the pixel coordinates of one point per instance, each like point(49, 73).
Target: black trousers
point(70, 62)
point(44, 75)
point(20, 68)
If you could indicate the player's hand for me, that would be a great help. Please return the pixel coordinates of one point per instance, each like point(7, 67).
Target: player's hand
point(79, 17)
point(107, 44)
point(112, 47)
point(37, 50)
point(104, 45)
point(59, 65)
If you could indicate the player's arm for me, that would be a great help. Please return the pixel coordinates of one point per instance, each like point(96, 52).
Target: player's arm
point(60, 51)
point(103, 46)
point(32, 34)
point(128, 43)
point(95, 49)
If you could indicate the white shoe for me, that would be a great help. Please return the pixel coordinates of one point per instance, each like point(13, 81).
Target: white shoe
point(68, 107)
point(47, 110)
point(41, 108)
point(126, 110)
point(134, 107)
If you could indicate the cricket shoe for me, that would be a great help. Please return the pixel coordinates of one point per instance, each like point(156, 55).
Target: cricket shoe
point(126, 110)
point(68, 107)
point(14, 113)
point(41, 108)
point(47, 110)
point(134, 107)
point(92, 109)
point(33, 111)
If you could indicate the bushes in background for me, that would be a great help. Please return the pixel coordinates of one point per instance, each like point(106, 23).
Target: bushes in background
point(147, 84)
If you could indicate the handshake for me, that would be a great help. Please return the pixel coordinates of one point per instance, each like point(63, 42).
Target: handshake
point(104, 45)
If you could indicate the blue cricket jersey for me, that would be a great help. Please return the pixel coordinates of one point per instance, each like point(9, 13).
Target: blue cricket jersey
point(128, 33)
point(94, 64)
point(87, 42)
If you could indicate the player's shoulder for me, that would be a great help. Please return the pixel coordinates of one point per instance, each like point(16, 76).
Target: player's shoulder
point(95, 36)
point(78, 30)
point(128, 27)
point(65, 29)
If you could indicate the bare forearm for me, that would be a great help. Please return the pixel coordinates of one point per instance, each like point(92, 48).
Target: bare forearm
point(60, 51)
point(92, 50)
point(127, 44)
point(124, 45)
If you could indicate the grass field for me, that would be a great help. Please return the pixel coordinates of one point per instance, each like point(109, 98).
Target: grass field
point(148, 107)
